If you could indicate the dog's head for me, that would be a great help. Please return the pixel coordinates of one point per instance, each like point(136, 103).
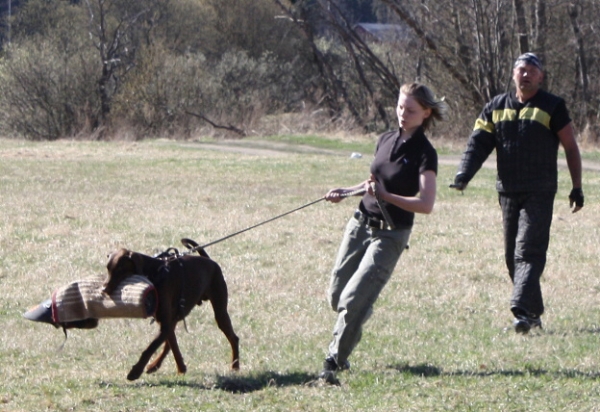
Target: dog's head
point(121, 264)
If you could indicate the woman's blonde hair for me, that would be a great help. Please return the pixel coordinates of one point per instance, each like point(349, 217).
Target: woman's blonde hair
point(425, 97)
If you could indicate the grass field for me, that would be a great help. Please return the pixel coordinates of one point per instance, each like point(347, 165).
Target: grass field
point(439, 337)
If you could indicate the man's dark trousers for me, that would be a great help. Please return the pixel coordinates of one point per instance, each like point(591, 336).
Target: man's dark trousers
point(527, 218)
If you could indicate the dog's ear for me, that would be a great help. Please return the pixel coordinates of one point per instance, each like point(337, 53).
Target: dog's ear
point(119, 266)
point(138, 262)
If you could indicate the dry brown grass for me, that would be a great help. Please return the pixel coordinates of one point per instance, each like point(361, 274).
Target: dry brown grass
point(437, 340)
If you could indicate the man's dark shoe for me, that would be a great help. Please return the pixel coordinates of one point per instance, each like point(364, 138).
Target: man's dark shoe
point(523, 324)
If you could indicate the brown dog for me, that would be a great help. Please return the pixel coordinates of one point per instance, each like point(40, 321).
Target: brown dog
point(181, 282)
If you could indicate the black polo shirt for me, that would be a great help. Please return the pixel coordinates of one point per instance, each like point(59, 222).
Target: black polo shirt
point(398, 166)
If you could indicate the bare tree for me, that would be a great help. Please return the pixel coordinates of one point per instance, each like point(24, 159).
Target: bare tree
point(574, 10)
point(522, 26)
point(364, 59)
point(112, 27)
point(334, 91)
point(472, 44)
point(540, 29)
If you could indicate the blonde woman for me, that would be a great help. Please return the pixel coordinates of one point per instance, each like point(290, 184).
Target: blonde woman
point(402, 182)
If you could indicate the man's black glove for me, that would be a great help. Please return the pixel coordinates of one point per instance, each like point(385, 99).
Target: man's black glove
point(460, 182)
point(576, 196)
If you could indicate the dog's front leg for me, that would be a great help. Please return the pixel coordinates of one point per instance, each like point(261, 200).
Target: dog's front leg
point(171, 343)
point(154, 366)
point(137, 369)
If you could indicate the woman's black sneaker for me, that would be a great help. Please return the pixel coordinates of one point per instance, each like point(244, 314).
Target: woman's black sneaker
point(330, 367)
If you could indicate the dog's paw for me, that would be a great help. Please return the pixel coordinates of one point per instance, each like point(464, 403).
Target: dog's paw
point(134, 373)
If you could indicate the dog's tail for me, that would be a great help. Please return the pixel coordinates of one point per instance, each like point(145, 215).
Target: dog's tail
point(195, 247)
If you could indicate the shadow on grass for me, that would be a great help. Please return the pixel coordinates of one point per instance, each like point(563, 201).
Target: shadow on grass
point(422, 369)
point(579, 331)
point(246, 384)
point(243, 384)
point(428, 371)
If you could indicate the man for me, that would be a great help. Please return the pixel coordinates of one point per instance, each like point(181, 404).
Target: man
point(525, 127)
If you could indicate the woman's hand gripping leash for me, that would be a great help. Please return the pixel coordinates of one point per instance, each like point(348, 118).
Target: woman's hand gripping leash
point(337, 195)
point(368, 186)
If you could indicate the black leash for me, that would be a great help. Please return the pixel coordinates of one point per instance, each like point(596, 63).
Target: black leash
point(257, 225)
point(172, 253)
point(196, 248)
point(383, 208)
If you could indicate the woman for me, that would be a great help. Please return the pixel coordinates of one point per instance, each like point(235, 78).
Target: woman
point(402, 183)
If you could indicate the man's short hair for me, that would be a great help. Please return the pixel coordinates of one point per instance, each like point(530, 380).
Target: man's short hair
point(528, 58)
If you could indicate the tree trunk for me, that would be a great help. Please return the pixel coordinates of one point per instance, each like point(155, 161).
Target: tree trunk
point(586, 109)
point(432, 46)
point(522, 26)
point(540, 29)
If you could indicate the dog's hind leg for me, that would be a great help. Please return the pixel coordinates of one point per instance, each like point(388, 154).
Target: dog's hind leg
point(219, 304)
point(181, 368)
point(224, 323)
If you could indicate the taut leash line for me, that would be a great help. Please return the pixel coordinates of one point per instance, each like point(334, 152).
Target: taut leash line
point(348, 194)
point(256, 225)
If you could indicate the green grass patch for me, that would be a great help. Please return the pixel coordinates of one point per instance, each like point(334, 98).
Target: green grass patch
point(439, 339)
point(363, 144)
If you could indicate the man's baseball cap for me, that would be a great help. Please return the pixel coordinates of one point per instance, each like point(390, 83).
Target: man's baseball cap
point(528, 58)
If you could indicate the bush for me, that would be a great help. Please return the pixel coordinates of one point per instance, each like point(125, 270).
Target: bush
point(47, 91)
point(170, 94)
